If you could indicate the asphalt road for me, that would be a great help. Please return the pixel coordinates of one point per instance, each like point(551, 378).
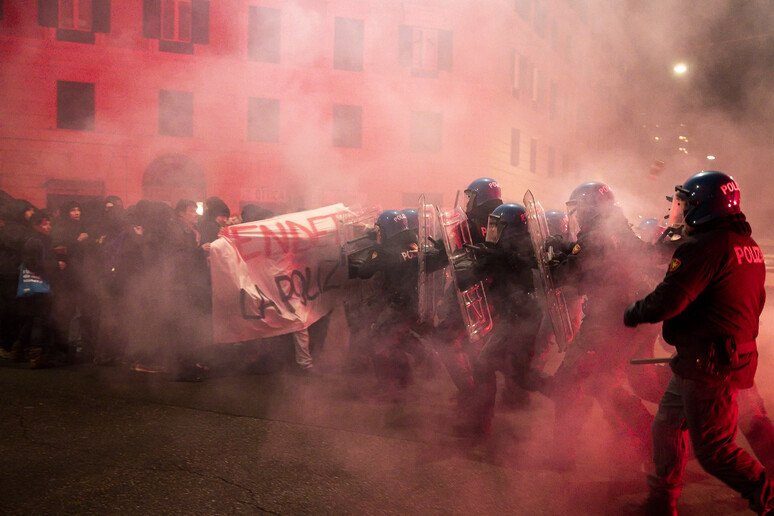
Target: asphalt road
point(107, 440)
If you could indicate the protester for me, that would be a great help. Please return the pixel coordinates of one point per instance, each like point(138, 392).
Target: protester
point(14, 233)
point(37, 335)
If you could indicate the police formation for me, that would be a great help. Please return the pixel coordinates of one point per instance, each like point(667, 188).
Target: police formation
point(492, 286)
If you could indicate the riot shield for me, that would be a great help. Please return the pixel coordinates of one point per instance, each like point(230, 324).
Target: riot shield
point(471, 298)
point(554, 297)
point(356, 233)
point(430, 287)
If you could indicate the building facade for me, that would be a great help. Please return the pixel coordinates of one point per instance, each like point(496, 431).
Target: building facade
point(298, 104)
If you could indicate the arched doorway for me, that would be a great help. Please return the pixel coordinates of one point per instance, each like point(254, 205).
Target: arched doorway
point(172, 177)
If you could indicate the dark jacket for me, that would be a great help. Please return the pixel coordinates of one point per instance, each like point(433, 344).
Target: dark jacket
point(394, 263)
point(65, 232)
point(509, 279)
point(189, 263)
point(710, 301)
point(13, 235)
point(39, 257)
point(608, 263)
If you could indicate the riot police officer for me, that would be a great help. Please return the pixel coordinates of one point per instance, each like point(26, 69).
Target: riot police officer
point(710, 301)
point(505, 264)
point(393, 262)
point(603, 266)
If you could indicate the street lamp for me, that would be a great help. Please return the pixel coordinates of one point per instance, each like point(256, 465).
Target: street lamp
point(680, 68)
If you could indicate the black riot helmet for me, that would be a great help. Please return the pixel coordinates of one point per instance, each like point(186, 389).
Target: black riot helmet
point(507, 223)
point(391, 223)
point(586, 202)
point(484, 195)
point(706, 196)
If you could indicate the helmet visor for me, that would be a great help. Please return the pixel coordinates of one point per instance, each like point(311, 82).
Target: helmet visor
point(470, 203)
point(573, 224)
point(678, 209)
point(493, 229)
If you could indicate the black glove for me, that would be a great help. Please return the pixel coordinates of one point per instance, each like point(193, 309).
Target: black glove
point(438, 244)
point(630, 316)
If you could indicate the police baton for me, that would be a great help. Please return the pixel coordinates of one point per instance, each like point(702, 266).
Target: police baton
point(644, 361)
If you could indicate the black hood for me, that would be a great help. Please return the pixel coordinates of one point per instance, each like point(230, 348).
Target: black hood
point(15, 209)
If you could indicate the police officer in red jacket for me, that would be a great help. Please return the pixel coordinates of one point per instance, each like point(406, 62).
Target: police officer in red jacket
point(710, 301)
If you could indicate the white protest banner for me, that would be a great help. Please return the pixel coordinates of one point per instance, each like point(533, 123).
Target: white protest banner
point(278, 275)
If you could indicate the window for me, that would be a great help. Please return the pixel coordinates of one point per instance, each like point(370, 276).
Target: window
point(515, 143)
point(263, 38)
point(75, 105)
point(426, 131)
point(553, 92)
point(75, 20)
point(551, 161)
point(75, 14)
point(537, 87)
point(177, 24)
point(176, 20)
point(347, 126)
point(263, 120)
point(348, 44)
point(175, 113)
point(526, 77)
point(532, 155)
point(425, 50)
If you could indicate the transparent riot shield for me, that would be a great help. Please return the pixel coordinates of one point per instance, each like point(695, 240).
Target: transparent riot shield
point(356, 233)
point(471, 298)
point(554, 297)
point(429, 287)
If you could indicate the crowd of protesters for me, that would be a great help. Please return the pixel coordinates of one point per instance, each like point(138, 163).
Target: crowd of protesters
point(122, 284)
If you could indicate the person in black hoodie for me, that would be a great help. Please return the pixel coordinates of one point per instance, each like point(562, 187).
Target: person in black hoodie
point(215, 216)
point(189, 294)
point(710, 301)
point(69, 236)
point(37, 331)
point(15, 231)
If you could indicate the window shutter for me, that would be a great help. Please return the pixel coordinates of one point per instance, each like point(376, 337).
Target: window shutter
point(200, 22)
point(48, 13)
point(151, 19)
point(405, 45)
point(100, 16)
point(445, 50)
point(514, 77)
